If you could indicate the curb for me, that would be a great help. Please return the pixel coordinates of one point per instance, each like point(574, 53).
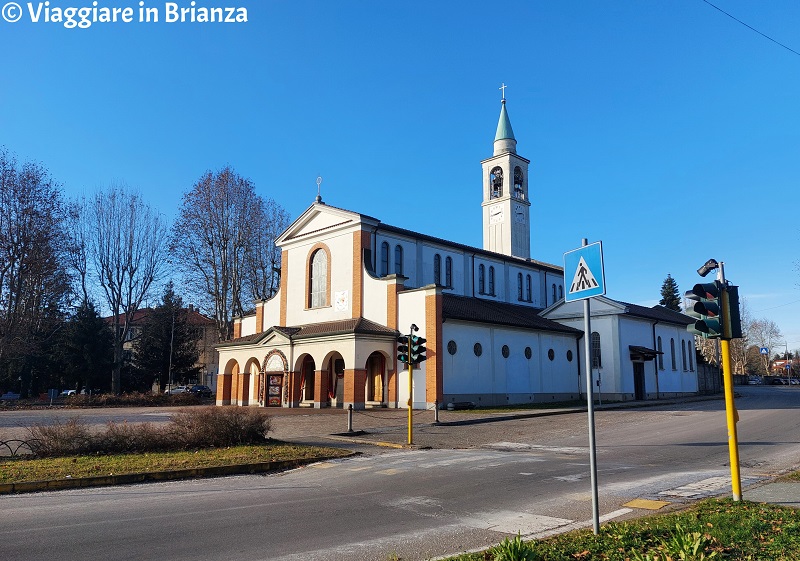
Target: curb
point(129, 478)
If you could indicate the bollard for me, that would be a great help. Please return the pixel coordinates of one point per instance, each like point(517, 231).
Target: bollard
point(350, 418)
point(436, 412)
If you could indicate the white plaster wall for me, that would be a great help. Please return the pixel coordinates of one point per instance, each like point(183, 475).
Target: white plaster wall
point(272, 311)
point(411, 309)
point(492, 378)
point(375, 300)
point(678, 380)
point(341, 255)
point(248, 325)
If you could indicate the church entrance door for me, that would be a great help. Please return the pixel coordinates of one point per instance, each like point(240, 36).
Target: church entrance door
point(638, 381)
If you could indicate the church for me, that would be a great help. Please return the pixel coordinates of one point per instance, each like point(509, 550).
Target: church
point(498, 330)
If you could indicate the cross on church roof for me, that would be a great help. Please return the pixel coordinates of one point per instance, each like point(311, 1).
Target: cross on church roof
point(319, 182)
point(503, 88)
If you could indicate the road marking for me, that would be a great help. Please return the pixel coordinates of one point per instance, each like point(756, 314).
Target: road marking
point(522, 447)
point(390, 471)
point(322, 465)
point(572, 478)
point(512, 522)
point(646, 504)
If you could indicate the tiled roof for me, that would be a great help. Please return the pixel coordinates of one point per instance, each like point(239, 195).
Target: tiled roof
point(360, 326)
point(470, 249)
point(659, 313)
point(467, 308)
point(355, 325)
point(194, 317)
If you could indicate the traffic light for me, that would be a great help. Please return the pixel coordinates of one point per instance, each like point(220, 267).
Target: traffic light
point(402, 348)
point(733, 320)
point(706, 309)
point(418, 349)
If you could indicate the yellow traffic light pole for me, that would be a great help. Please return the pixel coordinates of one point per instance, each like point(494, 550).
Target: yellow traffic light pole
point(733, 417)
point(410, 401)
point(731, 414)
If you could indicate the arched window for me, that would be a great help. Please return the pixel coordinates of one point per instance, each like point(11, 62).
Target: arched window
point(597, 359)
point(683, 355)
point(690, 348)
point(528, 288)
point(491, 280)
point(518, 192)
point(398, 259)
point(481, 279)
point(384, 259)
point(496, 183)
point(560, 291)
point(437, 269)
point(448, 272)
point(672, 350)
point(318, 284)
point(554, 293)
point(661, 355)
point(519, 286)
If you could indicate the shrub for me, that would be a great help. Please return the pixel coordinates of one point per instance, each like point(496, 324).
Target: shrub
point(221, 426)
point(194, 428)
point(60, 438)
point(134, 400)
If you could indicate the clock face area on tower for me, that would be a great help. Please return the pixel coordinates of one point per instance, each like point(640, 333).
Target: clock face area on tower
point(495, 214)
point(519, 214)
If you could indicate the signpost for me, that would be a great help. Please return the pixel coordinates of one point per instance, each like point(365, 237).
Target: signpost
point(764, 351)
point(584, 277)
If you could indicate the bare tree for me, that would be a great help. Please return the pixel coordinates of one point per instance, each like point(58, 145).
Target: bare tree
point(34, 281)
point(738, 347)
point(765, 333)
point(218, 239)
point(127, 254)
point(263, 261)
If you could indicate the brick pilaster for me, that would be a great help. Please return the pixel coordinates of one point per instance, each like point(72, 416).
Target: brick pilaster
point(434, 365)
point(355, 382)
point(320, 389)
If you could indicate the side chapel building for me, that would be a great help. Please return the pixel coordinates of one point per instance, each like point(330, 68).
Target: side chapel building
point(498, 330)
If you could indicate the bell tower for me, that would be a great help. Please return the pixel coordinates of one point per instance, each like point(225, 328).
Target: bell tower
point(506, 206)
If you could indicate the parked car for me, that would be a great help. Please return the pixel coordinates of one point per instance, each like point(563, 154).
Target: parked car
point(202, 391)
point(177, 389)
point(755, 379)
point(68, 393)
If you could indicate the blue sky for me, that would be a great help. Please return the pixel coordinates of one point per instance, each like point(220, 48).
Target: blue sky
point(665, 129)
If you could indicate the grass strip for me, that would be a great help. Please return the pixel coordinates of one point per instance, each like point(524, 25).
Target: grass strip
point(712, 529)
point(22, 469)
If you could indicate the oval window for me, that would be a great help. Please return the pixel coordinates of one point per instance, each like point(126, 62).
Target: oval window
point(528, 353)
point(551, 354)
point(452, 347)
point(505, 351)
point(478, 349)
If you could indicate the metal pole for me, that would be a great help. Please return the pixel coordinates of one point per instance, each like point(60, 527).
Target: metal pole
point(436, 411)
point(350, 418)
point(587, 330)
point(731, 414)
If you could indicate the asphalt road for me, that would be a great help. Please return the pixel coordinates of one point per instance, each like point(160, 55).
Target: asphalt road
point(482, 483)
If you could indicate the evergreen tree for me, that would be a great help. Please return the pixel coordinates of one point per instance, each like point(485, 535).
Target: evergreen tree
point(84, 351)
point(167, 344)
point(670, 295)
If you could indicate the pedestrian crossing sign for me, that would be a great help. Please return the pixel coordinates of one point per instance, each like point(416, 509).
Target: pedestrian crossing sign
point(584, 276)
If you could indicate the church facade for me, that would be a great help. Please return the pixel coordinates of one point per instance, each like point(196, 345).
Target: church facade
point(351, 284)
